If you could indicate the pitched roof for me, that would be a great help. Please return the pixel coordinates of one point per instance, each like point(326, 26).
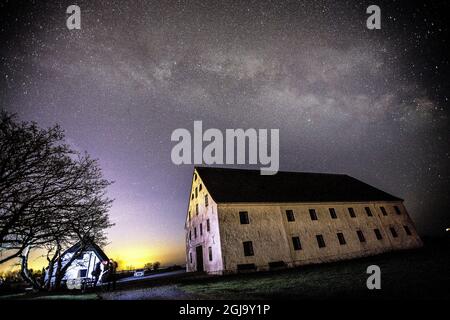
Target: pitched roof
point(90, 247)
point(238, 185)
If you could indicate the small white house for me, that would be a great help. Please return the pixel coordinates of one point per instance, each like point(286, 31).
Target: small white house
point(81, 269)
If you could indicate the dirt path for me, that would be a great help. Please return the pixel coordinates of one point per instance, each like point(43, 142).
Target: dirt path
point(155, 293)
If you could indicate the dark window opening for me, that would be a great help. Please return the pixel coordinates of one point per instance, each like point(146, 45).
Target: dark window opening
point(394, 232)
point(246, 267)
point(383, 211)
point(190, 257)
point(83, 273)
point(397, 210)
point(332, 213)
point(210, 253)
point(290, 215)
point(313, 214)
point(206, 201)
point(341, 238)
point(277, 265)
point(248, 248)
point(243, 216)
point(360, 236)
point(368, 211)
point(190, 234)
point(408, 232)
point(201, 229)
point(208, 227)
point(351, 211)
point(196, 209)
point(378, 234)
point(320, 241)
point(200, 187)
point(297, 244)
point(195, 232)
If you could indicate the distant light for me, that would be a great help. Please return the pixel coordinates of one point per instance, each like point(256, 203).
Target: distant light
point(448, 229)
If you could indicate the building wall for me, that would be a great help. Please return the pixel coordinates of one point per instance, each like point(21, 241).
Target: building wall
point(271, 234)
point(86, 262)
point(208, 239)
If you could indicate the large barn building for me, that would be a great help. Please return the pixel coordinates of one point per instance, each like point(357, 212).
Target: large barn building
point(242, 220)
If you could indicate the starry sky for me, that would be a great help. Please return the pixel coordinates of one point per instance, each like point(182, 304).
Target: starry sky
point(369, 103)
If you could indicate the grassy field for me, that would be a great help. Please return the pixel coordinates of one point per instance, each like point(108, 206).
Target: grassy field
point(419, 274)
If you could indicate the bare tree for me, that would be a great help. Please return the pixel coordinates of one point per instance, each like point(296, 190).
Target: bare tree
point(156, 265)
point(148, 266)
point(51, 197)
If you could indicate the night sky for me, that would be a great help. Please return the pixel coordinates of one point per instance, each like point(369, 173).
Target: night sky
point(369, 103)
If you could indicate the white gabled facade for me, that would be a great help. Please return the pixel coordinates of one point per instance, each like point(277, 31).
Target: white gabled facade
point(203, 246)
point(81, 268)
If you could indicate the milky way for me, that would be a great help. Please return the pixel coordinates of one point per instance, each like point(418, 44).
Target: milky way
point(369, 103)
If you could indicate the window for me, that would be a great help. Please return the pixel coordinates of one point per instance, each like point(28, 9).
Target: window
point(206, 200)
point(277, 265)
point(297, 244)
point(192, 196)
point(195, 232)
point(313, 214)
point(196, 209)
point(210, 253)
point(320, 241)
point(383, 211)
point(190, 234)
point(290, 215)
point(408, 232)
point(332, 213)
point(341, 238)
point(82, 273)
point(201, 229)
point(200, 187)
point(195, 177)
point(397, 210)
point(394, 232)
point(378, 234)
point(190, 257)
point(248, 248)
point(243, 216)
point(360, 236)
point(246, 267)
point(369, 213)
point(351, 211)
point(208, 227)
point(196, 193)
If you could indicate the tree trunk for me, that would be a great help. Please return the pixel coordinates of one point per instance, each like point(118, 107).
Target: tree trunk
point(51, 267)
point(61, 270)
point(24, 272)
point(58, 278)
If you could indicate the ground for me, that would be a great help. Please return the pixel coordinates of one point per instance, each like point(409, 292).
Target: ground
point(417, 274)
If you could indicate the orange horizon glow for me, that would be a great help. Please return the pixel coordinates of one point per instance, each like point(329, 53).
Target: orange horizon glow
point(129, 256)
